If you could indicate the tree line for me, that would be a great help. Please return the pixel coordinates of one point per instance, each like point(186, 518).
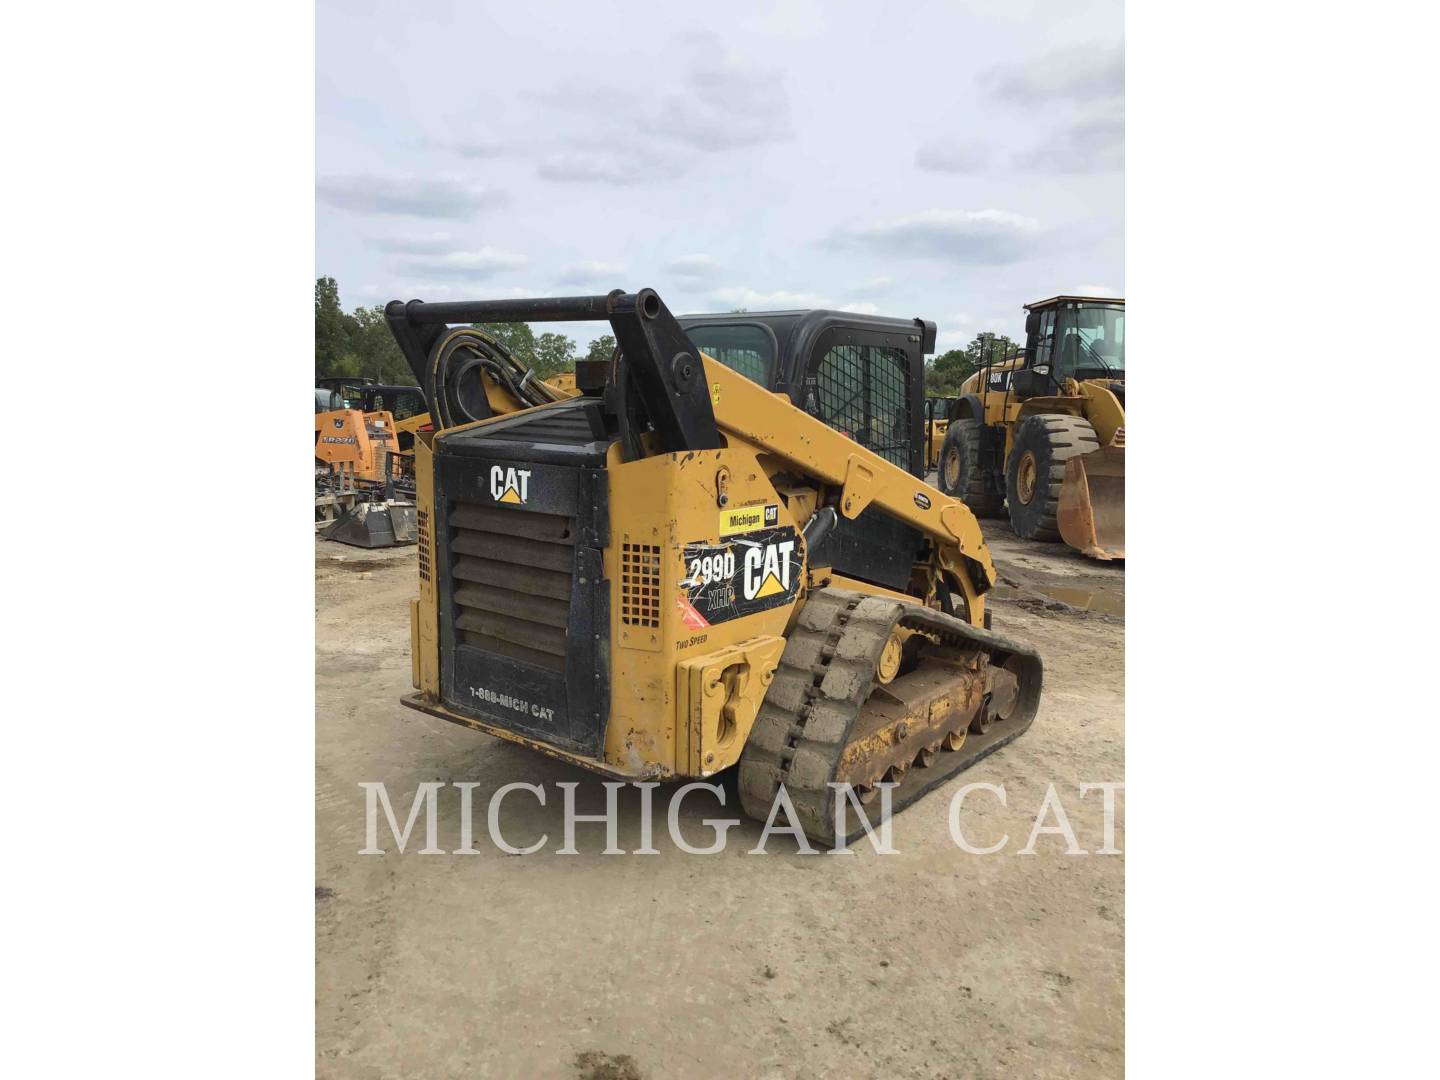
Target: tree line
point(946, 372)
point(359, 344)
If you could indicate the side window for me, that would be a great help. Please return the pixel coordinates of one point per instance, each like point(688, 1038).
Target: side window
point(1047, 337)
point(863, 391)
point(408, 404)
point(747, 362)
point(746, 349)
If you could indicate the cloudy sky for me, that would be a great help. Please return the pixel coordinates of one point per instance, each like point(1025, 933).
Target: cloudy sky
point(947, 160)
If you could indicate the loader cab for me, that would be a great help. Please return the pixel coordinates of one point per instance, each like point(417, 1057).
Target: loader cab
point(862, 375)
point(401, 402)
point(1074, 337)
point(348, 387)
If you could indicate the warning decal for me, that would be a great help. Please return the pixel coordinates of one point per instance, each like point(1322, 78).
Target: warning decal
point(739, 576)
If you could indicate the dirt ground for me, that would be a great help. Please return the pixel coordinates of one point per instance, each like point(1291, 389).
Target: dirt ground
point(927, 963)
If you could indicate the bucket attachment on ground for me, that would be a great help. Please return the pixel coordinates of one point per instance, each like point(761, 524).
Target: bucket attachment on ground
point(1091, 515)
point(374, 525)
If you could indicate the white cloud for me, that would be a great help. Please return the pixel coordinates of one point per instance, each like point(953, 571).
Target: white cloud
point(861, 308)
point(693, 268)
point(950, 158)
point(471, 265)
point(726, 104)
point(1093, 143)
point(982, 237)
point(1080, 73)
point(478, 148)
point(676, 155)
point(433, 244)
point(754, 300)
point(407, 195)
point(721, 102)
point(590, 273)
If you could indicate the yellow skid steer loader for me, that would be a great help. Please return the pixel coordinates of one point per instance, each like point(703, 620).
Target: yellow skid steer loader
point(719, 554)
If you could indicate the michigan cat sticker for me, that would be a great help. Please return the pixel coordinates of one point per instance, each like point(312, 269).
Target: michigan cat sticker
point(744, 519)
point(739, 576)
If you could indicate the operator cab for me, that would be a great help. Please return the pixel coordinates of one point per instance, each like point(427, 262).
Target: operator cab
point(348, 387)
point(1076, 337)
point(862, 375)
point(401, 402)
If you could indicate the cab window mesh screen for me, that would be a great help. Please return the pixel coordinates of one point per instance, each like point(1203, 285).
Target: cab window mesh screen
point(864, 392)
point(747, 362)
point(746, 349)
point(408, 405)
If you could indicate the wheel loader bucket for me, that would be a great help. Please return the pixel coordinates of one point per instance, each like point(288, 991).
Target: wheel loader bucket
point(374, 525)
point(1092, 503)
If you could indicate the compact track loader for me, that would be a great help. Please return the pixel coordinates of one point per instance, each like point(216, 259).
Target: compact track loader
point(362, 496)
point(406, 406)
point(719, 554)
point(1043, 433)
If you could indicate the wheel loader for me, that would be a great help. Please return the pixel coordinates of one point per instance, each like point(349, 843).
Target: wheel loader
point(719, 554)
point(1043, 433)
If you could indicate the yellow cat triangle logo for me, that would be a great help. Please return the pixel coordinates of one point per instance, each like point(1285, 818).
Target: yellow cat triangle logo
point(510, 496)
point(770, 586)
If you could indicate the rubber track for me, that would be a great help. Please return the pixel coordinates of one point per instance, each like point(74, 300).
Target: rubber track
point(824, 678)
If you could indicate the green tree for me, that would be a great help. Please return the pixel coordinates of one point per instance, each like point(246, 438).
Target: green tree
point(945, 374)
point(333, 353)
point(515, 336)
point(554, 353)
point(602, 348)
point(994, 347)
point(547, 354)
point(374, 346)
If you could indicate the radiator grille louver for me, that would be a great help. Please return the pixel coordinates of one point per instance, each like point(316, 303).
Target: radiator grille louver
point(512, 571)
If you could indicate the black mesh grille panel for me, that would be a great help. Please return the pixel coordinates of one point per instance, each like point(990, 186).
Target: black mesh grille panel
point(864, 391)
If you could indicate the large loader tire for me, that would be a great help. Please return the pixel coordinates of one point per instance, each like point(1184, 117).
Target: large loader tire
point(962, 473)
point(1036, 470)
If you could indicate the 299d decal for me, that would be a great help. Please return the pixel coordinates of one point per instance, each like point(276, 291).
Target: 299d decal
point(739, 576)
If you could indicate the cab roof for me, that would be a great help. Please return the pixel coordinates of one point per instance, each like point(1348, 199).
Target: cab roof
point(1083, 299)
point(799, 324)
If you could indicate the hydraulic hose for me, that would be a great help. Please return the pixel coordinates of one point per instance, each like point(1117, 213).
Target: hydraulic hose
point(459, 363)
